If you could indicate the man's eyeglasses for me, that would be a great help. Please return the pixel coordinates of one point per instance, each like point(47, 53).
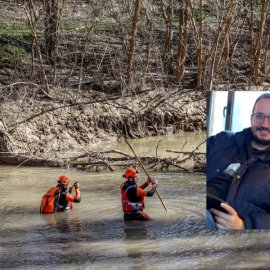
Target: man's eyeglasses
point(260, 117)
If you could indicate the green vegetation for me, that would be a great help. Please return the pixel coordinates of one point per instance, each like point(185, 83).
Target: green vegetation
point(12, 55)
point(11, 31)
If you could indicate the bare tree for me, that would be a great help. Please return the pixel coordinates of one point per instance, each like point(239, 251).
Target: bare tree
point(167, 14)
point(51, 8)
point(210, 42)
point(197, 29)
point(259, 43)
point(223, 56)
point(31, 13)
point(132, 41)
point(184, 16)
point(149, 25)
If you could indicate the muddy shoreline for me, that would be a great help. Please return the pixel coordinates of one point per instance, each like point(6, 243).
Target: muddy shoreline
point(44, 130)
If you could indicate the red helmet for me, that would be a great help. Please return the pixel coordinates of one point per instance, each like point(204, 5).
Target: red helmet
point(130, 172)
point(63, 180)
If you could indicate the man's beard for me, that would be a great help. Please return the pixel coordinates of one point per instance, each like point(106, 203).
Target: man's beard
point(258, 140)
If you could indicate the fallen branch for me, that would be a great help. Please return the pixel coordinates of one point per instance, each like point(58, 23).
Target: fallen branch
point(95, 160)
point(186, 152)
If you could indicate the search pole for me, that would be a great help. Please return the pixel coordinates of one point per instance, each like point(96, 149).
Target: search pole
point(143, 169)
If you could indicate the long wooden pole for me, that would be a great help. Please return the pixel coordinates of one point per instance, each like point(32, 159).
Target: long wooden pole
point(144, 169)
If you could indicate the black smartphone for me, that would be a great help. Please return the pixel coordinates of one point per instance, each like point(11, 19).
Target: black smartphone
point(213, 201)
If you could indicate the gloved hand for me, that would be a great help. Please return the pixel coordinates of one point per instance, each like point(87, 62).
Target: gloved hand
point(149, 180)
point(76, 185)
point(152, 180)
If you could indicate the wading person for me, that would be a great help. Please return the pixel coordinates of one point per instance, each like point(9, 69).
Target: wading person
point(133, 195)
point(238, 166)
point(59, 198)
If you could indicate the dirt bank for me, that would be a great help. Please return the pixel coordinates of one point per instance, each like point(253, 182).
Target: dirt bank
point(47, 129)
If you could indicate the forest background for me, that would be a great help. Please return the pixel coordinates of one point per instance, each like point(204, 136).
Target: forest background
point(77, 74)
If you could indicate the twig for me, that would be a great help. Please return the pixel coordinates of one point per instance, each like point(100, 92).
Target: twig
point(185, 152)
point(157, 146)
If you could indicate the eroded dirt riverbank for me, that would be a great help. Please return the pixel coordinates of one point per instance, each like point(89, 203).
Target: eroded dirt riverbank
point(44, 129)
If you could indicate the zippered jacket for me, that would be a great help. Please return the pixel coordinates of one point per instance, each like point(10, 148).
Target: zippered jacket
point(249, 191)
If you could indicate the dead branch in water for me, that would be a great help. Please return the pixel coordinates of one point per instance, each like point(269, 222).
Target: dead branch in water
point(103, 158)
point(185, 152)
point(109, 159)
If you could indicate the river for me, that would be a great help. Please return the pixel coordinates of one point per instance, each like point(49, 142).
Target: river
point(93, 235)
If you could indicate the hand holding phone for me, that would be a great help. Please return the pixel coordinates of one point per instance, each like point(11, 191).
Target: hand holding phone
point(214, 202)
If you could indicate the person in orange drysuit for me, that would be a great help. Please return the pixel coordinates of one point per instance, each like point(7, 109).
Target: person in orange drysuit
point(66, 199)
point(133, 196)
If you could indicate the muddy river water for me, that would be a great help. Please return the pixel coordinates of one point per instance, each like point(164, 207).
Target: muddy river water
point(93, 235)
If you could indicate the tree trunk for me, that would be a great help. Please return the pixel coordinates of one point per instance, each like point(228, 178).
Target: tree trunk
point(183, 40)
point(30, 11)
point(51, 30)
point(225, 45)
point(258, 49)
point(167, 15)
point(132, 41)
point(149, 49)
point(199, 49)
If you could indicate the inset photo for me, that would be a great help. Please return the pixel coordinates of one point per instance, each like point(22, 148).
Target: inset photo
point(238, 160)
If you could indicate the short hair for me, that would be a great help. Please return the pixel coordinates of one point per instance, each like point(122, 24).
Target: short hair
point(262, 96)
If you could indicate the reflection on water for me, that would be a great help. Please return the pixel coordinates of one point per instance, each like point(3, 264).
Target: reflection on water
point(64, 222)
point(94, 235)
point(163, 146)
point(135, 230)
point(158, 145)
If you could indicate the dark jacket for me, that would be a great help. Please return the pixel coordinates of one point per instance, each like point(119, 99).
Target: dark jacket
point(249, 191)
